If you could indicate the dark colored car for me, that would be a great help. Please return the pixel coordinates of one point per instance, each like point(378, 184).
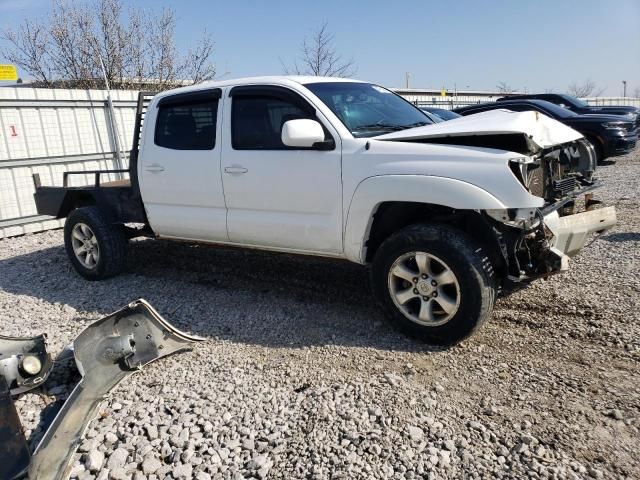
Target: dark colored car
point(610, 135)
point(440, 114)
point(579, 106)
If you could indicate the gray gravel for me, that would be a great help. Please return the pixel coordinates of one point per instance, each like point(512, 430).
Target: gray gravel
point(300, 376)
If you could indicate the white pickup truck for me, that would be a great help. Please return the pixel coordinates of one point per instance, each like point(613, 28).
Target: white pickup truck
point(444, 214)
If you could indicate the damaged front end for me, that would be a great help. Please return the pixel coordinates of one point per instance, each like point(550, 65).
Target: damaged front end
point(552, 162)
point(539, 242)
point(105, 353)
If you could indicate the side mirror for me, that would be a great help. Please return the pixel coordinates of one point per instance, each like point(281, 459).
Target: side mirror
point(302, 133)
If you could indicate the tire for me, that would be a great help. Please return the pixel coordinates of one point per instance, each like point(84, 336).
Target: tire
point(447, 251)
point(87, 230)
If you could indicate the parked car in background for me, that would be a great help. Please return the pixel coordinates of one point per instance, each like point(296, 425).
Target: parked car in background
point(432, 116)
point(439, 114)
point(610, 135)
point(579, 106)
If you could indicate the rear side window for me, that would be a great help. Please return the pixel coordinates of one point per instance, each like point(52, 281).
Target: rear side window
point(188, 125)
point(256, 121)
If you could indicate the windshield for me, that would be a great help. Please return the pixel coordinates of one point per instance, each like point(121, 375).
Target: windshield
point(433, 117)
point(445, 114)
point(368, 110)
point(556, 110)
point(575, 101)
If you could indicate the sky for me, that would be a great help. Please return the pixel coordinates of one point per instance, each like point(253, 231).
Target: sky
point(535, 45)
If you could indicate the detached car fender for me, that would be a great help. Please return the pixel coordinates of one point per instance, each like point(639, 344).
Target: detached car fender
point(373, 191)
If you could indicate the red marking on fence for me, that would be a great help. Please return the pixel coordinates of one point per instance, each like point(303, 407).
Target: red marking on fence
point(13, 130)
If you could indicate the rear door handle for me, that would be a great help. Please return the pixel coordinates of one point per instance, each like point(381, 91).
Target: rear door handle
point(235, 170)
point(154, 168)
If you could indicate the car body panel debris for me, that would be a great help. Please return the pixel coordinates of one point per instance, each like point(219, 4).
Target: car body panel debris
point(105, 353)
point(14, 450)
point(24, 362)
point(24, 365)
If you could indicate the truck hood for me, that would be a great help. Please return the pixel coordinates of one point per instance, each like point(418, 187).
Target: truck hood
point(538, 131)
point(615, 110)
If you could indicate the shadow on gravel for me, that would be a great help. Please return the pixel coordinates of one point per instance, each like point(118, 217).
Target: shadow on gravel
point(242, 296)
point(607, 162)
point(623, 237)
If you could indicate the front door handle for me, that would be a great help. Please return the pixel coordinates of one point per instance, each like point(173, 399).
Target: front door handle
point(235, 170)
point(154, 168)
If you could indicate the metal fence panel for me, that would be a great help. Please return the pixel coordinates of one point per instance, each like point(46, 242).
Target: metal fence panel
point(50, 131)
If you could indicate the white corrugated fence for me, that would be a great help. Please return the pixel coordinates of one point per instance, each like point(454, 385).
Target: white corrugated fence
point(50, 131)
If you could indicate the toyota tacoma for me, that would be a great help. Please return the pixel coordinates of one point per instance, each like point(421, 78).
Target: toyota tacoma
point(445, 215)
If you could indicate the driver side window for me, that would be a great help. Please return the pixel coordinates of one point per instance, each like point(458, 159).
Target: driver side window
point(257, 121)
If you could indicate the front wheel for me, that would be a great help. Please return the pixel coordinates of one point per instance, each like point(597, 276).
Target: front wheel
point(598, 149)
point(96, 248)
point(434, 283)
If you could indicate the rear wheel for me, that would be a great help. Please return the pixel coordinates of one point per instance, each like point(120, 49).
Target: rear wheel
point(96, 248)
point(434, 283)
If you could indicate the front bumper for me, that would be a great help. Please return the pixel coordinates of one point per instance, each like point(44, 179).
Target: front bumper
point(105, 353)
point(543, 245)
point(621, 145)
point(570, 233)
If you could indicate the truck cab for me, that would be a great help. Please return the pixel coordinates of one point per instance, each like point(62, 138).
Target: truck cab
point(443, 215)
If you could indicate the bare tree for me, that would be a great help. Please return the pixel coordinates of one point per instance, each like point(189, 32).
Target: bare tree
point(588, 88)
point(504, 87)
point(137, 49)
point(636, 92)
point(196, 64)
point(29, 49)
point(319, 57)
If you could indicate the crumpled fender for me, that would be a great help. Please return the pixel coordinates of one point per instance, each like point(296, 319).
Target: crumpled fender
point(373, 191)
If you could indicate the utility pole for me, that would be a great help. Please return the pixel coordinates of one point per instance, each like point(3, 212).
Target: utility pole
point(624, 88)
point(407, 75)
point(112, 118)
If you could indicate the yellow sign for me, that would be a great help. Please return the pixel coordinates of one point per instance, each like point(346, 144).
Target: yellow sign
point(443, 93)
point(8, 72)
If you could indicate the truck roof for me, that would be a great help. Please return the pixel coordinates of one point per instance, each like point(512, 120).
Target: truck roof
point(269, 79)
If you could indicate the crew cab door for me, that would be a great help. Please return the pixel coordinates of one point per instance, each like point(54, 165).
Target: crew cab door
point(278, 196)
point(179, 167)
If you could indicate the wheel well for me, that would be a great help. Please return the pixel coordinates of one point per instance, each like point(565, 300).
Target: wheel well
point(73, 200)
point(595, 140)
point(391, 217)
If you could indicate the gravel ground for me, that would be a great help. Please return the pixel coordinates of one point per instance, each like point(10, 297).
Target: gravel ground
point(301, 377)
